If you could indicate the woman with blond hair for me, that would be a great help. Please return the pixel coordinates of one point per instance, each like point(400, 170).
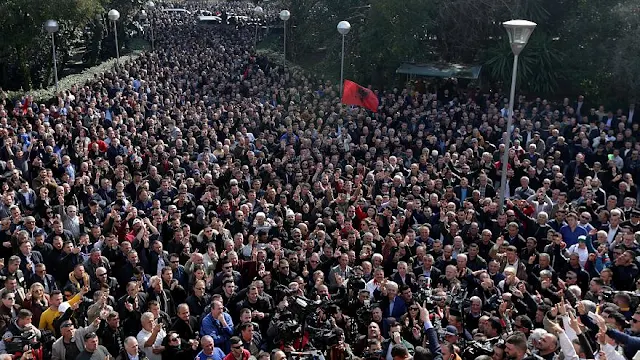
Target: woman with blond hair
point(36, 301)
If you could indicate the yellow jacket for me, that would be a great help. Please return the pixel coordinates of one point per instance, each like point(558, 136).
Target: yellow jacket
point(49, 316)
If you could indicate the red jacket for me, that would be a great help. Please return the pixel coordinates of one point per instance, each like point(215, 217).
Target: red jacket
point(245, 355)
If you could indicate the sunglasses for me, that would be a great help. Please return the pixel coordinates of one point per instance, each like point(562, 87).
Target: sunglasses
point(237, 347)
point(413, 309)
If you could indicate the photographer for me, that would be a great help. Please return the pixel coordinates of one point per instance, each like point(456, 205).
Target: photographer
point(20, 332)
point(341, 350)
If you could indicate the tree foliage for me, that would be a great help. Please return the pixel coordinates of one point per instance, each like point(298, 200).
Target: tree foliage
point(579, 46)
point(25, 48)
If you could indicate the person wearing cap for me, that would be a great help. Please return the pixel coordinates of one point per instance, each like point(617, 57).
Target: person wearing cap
point(450, 334)
point(63, 348)
point(582, 248)
point(238, 352)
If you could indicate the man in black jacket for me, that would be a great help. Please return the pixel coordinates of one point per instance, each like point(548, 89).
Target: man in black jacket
point(130, 307)
point(199, 300)
point(41, 276)
point(185, 325)
point(162, 296)
point(260, 309)
point(625, 271)
point(29, 258)
point(111, 334)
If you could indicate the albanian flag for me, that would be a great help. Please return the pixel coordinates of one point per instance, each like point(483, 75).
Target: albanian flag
point(354, 94)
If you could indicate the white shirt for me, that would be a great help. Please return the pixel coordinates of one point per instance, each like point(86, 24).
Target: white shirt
point(160, 265)
point(142, 338)
point(583, 253)
point(371, 287)
point(612, 234)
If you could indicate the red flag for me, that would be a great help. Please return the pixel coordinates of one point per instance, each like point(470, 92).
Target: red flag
point(354, 94)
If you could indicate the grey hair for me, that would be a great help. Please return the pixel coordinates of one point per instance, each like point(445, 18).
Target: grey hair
point(128, 340)
point(147, 316)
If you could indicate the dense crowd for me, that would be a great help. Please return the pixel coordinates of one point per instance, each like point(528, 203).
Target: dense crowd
point(201, 201)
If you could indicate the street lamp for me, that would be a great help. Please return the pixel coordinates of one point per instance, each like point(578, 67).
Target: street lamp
point(114, 15)
point(51, 26)
point(143, 16)
point(258, 11)
point(343, 28)
point(150, 5)
point(519, 32)
point(284, 16)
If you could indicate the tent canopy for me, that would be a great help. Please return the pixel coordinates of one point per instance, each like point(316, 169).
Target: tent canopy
point(441, 70)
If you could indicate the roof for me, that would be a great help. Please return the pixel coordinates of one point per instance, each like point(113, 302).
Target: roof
point(209, 18)
point(441, 70)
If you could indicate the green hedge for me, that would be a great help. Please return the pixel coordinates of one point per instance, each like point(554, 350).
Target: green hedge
point(44, 95)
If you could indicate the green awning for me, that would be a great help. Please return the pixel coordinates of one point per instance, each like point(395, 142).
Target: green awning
point(441, 70)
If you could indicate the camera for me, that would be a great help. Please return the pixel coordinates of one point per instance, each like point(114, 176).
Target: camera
point(24, 342)
point(474, 349)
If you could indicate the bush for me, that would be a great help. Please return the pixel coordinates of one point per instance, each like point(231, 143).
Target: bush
point(44, 95)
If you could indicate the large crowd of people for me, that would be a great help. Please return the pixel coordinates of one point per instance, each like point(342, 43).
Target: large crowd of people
point(202, 201)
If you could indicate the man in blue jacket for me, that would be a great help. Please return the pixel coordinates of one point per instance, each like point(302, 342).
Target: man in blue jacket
point(218, 325)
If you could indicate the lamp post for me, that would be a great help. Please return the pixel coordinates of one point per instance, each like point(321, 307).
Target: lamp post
point(150, 5)
point(51, 26)
point(258, 11)
point(114, 15)
point(343, 28)
point(143, 16)
point(284, 16)
point(519, 32)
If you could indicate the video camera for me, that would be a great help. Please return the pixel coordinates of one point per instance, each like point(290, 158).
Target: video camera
point(476, 348)
point(26, 341)
point(609, 295)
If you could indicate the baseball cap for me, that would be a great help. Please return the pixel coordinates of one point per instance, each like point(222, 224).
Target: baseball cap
point(450, 330)
point(66, 324)
point(582, 238)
